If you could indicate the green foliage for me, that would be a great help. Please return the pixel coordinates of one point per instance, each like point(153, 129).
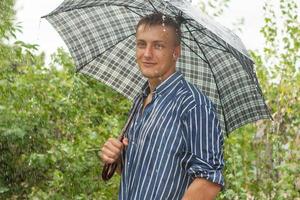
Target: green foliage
point(263, 161)
point(214, 7)
point(53, 121)
point(52, 125)
point(7, 14)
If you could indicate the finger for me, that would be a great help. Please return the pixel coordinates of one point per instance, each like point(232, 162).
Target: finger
point(112, 147)
point(116, 143)
point(107, 152)
point(107, 159)
point(125, 141)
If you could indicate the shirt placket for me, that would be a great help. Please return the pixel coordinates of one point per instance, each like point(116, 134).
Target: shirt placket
point(138, 124)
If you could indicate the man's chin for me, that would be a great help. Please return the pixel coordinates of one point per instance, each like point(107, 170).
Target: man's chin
point(149, 76)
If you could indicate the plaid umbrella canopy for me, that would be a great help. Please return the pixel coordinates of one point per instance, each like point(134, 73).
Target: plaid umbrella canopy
point(100, 35)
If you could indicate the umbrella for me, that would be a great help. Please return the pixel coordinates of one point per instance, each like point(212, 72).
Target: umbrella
point(100, 35)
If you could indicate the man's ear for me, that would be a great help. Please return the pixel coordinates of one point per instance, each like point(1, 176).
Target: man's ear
point(176, 52)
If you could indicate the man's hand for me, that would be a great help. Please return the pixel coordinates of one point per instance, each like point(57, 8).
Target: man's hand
point(112, 149)
point(202, 189)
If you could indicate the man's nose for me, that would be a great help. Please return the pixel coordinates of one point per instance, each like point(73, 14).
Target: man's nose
point(148, 52)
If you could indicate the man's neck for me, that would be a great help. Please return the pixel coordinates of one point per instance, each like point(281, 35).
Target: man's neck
point(155, 82)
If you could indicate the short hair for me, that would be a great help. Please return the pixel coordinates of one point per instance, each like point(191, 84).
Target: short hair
point(159, 18)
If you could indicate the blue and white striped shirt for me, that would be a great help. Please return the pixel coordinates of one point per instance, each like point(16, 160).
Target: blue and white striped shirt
point(176, 139)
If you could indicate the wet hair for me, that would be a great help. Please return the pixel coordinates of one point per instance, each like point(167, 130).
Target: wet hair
point(161, 19)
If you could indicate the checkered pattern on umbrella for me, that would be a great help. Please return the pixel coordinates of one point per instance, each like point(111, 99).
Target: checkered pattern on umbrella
point(100, 35)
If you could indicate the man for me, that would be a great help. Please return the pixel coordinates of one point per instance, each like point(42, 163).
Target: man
point(173, 147)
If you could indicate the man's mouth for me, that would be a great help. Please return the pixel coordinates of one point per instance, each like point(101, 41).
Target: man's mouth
point(148, 64)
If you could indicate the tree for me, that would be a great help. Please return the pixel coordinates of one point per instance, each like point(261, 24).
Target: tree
point(7, 14)
point(53, 121)
point(52, 124)
point(263, 161)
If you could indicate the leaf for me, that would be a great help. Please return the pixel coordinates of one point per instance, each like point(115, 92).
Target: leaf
point(3, 190)
point(15, 133)
point(2, 107)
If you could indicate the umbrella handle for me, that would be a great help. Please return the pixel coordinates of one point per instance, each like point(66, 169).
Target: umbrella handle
point(109, 169)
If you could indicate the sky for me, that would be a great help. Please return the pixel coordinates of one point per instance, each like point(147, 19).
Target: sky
point(36, 30)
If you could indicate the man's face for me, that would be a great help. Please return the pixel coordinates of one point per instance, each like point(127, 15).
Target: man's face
point(156, 51)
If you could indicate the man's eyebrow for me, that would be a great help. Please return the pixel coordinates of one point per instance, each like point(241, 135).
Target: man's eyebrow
point(155, 41)
point(159, 41)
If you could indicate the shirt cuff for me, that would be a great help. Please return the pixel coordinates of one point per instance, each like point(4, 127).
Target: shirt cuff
point(214, 176)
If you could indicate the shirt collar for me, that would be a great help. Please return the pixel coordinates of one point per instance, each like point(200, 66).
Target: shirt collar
point(164, 86)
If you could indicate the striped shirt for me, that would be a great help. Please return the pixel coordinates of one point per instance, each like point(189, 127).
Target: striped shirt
point(174, 140)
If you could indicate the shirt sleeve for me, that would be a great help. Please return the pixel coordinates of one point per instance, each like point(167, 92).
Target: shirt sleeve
point(203, 144)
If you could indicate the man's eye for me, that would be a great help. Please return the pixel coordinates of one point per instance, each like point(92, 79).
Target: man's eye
point(141, 45)
point(158, 46)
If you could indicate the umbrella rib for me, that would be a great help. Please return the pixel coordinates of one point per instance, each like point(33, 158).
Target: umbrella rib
point(128, 8)
point(105, 51)
point(90, 6)
point(194, 52)
point(201, 30)
point(153, 6)
point(174, 13)
point(190, 31)
point(210, 67)
point(227, 50)
point(206, 45)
